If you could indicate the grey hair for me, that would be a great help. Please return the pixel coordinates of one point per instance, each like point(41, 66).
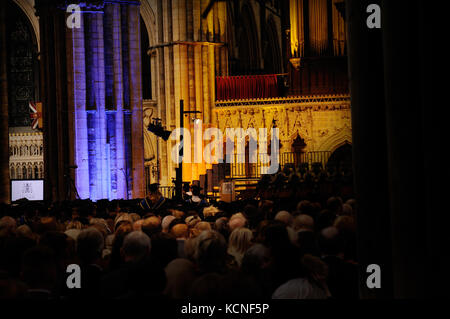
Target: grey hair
point(285, 217)
point(136, 244)
point(90, 244)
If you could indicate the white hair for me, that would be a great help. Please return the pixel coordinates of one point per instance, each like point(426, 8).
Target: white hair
point(285, 217)
point(136, 244)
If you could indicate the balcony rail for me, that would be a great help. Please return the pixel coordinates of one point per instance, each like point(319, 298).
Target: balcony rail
point(307, 161)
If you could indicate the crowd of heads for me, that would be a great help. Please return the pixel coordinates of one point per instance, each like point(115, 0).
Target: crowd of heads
point(257, 248)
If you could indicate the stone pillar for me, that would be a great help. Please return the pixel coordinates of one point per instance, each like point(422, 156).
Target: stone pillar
point(113, 17)
point(4, 124)
point(77, 107)
point(415, 131)
point(137, 147)
point(190, 54)
point(53, 88)
point(101, 130)
point(369, 148)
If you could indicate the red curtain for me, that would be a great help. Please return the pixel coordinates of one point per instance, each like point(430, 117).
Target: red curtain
point(246, 87)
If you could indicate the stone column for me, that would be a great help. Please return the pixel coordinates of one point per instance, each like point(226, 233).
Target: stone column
point(53, 90)
point(189, 54)
point(134, 37)
point(76, 74)
point(4, 125)
point(118, 98)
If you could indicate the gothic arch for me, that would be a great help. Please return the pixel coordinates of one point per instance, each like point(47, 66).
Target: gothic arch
point(248, 39)
point(335, 141)
point(22, 63)
point(272, 52)
point(27, 7)
point(148, 16)
point(148, 61)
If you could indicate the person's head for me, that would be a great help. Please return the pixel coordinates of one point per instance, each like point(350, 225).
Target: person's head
point(59, 243)
point(178, 214)
point(221, 225)
point(137, 225)
point(123, 230)
point(24, 231)
point(330, 241)
point(325, 219)
point(151, 225)
point(134, 217)
point(39, 268)
point(192, 220)
point(305, 207)
point(307, 243)
point(154, 193)
point(347, 210)
point(101, 225)
point(121, 218)
point(164, 247)
point(46, 224)
point(90, 244)
point(256, 258)
point(206, 287)
point(180, 275)
point(334, 204)
point(352, 203)
point(276, 236)
point(266, 207)
point(285, 217)
point(136, 246)
point(236, 221)
point(74, 224)
point(195, 190)
point(345, 224)
point(211, 251)
point(303, 222)
point(210, 211)
point(154, 189)
point(313, 265)
point(166, 221)
point(240, 240)
point(180, 231)
point(201, 226)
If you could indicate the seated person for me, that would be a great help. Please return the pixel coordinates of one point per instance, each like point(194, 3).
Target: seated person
point(155, 202)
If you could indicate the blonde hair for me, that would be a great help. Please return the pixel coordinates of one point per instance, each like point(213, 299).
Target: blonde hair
point(239, 242)
point(74, 224)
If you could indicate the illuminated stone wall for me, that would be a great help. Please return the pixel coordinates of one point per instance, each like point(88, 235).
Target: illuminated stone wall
point(324, 122)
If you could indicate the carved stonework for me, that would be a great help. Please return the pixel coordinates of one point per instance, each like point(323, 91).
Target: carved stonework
point(26, 155)
point(317, 119)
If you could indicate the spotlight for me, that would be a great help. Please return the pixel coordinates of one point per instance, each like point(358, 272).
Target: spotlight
point(157, 129)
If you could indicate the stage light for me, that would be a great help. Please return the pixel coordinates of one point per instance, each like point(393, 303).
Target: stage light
point(157, 129)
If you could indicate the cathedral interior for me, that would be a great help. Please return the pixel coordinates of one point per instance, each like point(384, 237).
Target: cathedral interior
point(243, 64)
point(79, 90)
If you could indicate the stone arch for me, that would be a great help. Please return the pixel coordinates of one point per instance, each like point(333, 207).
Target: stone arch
point(248, 40)
point(22, 63)
point(272, 52)
point(148, 16)
point(12, 172)
point(335, 141)
point(27, 7)
point(148, 39)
